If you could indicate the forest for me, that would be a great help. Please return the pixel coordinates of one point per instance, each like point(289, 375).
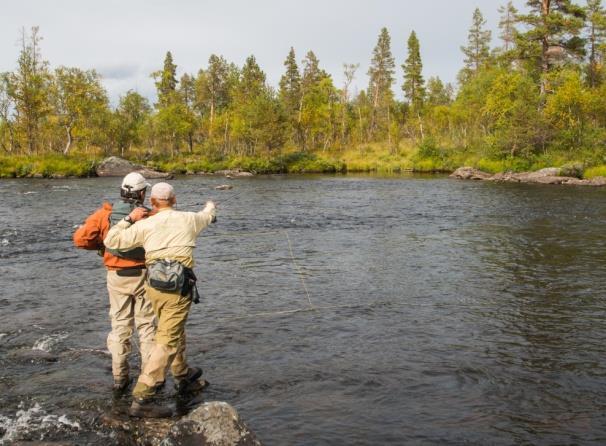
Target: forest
point(533, 96)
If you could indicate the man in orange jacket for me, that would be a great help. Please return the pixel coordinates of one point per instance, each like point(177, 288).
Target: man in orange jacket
point(129, 307)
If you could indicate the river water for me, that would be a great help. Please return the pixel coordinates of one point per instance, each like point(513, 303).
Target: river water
point(446, 312)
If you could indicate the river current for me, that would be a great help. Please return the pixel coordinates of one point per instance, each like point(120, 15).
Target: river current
point(444, 311)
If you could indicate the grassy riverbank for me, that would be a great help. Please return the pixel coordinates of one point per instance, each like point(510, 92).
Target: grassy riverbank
point(365, 158)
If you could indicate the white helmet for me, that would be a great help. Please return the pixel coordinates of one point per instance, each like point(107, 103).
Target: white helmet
point(134, 182)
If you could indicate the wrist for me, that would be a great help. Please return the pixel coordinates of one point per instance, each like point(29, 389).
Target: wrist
point(128, 220)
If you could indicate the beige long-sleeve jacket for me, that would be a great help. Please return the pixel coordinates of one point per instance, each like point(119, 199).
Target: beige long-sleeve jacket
point(169, 234)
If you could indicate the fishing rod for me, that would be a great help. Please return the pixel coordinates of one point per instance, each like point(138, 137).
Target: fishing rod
point(218, 202)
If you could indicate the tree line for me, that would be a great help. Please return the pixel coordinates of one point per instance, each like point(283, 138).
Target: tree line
point(540, 89)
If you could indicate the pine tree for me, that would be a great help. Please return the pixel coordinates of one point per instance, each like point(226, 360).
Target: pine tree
point(596, 37)
point(381, 74)
point(507, 25)
point(252, 80)
point(553, 28)
point(317, 95)
point(381, 71)
point(290, 84)
point(312, 74)
point(166, 82)
point(477, 51)
point(414, 85)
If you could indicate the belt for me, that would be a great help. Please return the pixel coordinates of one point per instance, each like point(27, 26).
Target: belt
point(135, 271)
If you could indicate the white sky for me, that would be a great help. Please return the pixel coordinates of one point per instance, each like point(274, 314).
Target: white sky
point(125, 40)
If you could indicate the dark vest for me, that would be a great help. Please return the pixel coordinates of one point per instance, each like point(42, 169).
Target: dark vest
point(120, 210)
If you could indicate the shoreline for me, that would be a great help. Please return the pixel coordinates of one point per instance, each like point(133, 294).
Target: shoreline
point(297, 163)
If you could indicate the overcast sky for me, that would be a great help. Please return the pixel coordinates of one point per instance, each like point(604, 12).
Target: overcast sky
point(125, 40)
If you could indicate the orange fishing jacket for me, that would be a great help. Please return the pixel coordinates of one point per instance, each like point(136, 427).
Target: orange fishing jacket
point(90, 236)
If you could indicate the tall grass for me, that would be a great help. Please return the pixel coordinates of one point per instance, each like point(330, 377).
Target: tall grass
point(46, 166)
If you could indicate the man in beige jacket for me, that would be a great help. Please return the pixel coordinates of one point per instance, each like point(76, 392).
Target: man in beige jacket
point(129, 308)
point(167, 236)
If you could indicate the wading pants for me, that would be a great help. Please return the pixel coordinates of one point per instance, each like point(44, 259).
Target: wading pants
point(129, 310)
point(171, 310)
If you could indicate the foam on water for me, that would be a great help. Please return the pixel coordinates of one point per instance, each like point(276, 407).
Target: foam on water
point(32, 421)
point(4, 242)
point(46, 343)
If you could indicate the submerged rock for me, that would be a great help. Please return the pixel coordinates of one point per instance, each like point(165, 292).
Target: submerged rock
point(224, 187)
point(32, 356)
point(116, 167)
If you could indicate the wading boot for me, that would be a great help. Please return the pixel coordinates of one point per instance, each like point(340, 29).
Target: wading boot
point(147, 408)
point(120, 385)
point(190, 383)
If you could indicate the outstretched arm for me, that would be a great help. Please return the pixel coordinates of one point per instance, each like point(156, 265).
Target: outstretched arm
point(205, 217)
point(124, 235)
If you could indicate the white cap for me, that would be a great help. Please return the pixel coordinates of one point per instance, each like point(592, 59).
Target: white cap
point(134, 182)
point(162, 191)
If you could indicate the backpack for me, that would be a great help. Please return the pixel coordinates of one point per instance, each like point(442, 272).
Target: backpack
point(120, 210)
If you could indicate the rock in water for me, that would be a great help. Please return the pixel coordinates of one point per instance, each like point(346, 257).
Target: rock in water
point(469, 173)
point(548, 175)
point(117, 167)
point(213, 424)
point(224, 187)
point(234, 173)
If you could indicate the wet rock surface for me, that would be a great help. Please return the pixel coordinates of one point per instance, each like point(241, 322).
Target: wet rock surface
point(549, 175)
point(116, 167)
point(214, 423)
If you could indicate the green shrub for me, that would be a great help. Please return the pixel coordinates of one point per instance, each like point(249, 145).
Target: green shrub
point(572, 170)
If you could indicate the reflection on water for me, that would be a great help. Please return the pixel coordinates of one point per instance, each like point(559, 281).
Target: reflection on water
point(452, 312)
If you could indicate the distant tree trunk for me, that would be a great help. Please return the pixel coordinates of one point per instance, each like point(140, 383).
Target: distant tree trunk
point(545, 8)
point(389, 130)
point(421, 126)
point(592, 57)
point(68, 131)
point(212, 118)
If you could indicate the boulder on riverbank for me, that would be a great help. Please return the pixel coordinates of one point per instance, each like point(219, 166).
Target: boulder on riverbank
point(215, 423)
point(470, 173)
point(115, 166)
point(234, 173)
point(549, 175)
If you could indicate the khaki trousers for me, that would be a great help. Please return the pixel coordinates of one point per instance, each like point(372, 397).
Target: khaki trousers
point(172, 310)
point(128, 309)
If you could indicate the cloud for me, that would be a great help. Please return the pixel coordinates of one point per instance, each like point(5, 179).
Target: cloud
point(118, 71)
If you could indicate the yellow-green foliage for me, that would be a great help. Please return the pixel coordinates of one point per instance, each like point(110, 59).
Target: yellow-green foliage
point(597, 171)
point(45, 166)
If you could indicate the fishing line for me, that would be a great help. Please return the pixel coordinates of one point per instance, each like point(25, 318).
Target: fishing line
point(299, 270)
